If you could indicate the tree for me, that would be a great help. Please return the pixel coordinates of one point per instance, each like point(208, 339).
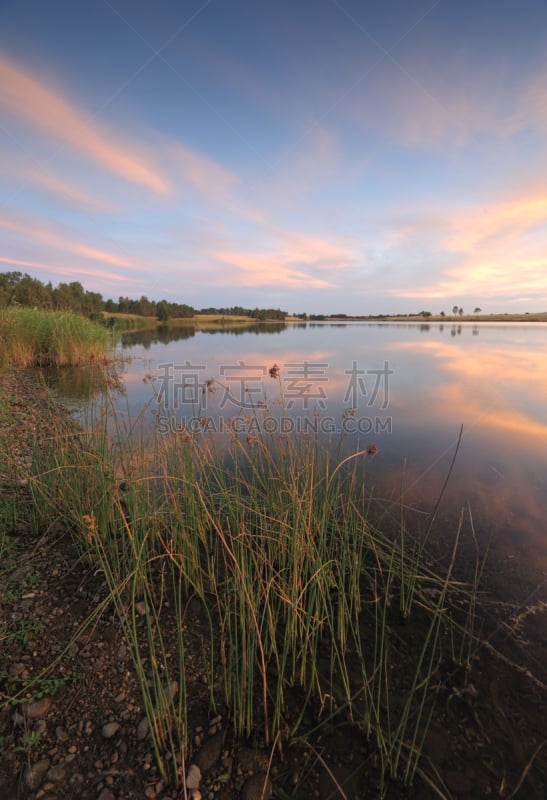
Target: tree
point(32, 293)
point(162, 311)
point(443, 314)
point(460, 312)
point(454, 310)
point(477, 310)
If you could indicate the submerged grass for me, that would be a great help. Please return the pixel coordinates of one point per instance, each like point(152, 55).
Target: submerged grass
point(30, 337)
point(303, 594)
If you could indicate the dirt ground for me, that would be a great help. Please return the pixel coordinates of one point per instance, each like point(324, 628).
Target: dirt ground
point(71, 714)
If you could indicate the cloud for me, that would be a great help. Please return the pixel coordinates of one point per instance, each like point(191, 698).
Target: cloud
point(488, 250)
point(209, 179)
point(66, 190)
point(47, 110)
point(284, 259)
point(312, 165)
point(259, 269)
point(35, 231)
point(60, 270)
point(435, 100)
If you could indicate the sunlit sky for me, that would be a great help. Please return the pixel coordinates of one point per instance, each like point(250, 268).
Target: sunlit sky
point(314, 155)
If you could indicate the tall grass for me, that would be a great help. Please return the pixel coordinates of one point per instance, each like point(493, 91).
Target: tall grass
point(301, 591)
point(30, 337)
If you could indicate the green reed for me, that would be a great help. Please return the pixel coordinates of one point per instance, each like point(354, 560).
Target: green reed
point(32, 338)
point(300, 589)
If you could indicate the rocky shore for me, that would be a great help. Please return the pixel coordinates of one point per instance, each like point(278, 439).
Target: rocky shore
point(72, 722)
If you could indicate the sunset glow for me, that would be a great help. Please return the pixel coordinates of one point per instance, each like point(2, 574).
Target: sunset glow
point(333, 156)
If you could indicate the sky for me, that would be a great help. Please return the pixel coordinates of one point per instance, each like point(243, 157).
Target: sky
point(319, 156)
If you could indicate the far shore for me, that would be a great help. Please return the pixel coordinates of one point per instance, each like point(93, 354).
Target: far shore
point(136, 322)
point(453, 319)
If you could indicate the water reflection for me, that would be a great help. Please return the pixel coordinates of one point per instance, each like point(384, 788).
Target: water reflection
point(77, 385)
point(165, 334)
point(406, 387)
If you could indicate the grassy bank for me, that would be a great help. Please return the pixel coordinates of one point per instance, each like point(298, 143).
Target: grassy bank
point(128, 322)
point(29, 338)
point(456, 319)
point(317, 616)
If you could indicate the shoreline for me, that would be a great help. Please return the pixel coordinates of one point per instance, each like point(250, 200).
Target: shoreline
point(71, 716)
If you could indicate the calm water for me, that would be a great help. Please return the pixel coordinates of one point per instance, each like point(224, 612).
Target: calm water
point(408, 388)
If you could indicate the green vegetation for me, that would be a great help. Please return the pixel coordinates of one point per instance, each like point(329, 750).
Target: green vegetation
point(317, 615)
point(18, 289)
point(22, 290)
point(29, 337)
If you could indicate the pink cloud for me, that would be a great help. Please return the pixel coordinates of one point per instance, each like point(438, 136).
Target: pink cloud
point(288, 259)
point(65, 190)
point(201, 173)
point(35, 231)
point(320, 254)
point(454, 103)
point(495, 249)
point(60, 270)
point(50, 112)
point(264, 270)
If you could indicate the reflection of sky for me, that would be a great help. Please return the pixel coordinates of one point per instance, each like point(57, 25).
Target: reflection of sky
point(490, 379)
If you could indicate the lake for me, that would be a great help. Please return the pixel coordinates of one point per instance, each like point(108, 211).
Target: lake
point(406, 388)
point(399, 396)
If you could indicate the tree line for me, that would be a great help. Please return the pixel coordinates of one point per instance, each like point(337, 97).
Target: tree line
point(21, 289)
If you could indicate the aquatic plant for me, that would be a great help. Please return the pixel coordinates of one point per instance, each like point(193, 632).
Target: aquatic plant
point(303, 593)
point(31, 338)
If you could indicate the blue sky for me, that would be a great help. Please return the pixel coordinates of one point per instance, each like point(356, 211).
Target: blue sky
point(320, 155)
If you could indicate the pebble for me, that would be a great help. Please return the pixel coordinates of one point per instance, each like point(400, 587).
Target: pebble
point(34, 774)
point(210, 752)
point(193, 777)
point(170, 691)
point(110, 729)
point(61, 734)
point(257, 787)
point(106, 794)
point(121, 655)
point(56, 773)
point(142, 729)
point(38, 708)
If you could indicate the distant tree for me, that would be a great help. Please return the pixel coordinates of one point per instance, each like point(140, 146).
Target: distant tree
point(183, 310)
point(32, 293)
point(460, 312)
point(162, 311)
point(123, 305)
point(425, 314)
point(477, 310)
point(93, 304)
point(8, 285)
point(454, 310)
point(146, 307)
point(443, 314)
point(68, 296)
